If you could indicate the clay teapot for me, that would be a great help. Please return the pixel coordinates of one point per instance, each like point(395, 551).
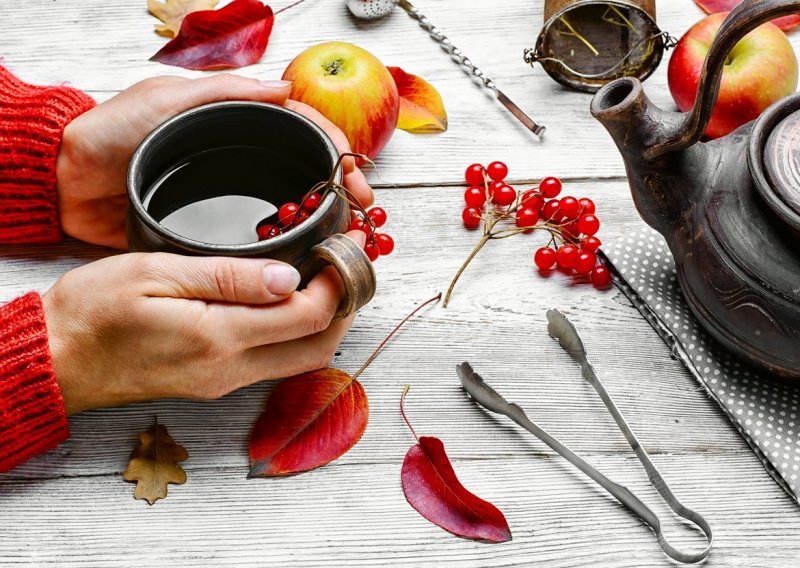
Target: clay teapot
point(729, 209)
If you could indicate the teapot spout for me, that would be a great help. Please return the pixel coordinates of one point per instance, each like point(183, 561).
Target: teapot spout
point(641, 131)
point(637, 126)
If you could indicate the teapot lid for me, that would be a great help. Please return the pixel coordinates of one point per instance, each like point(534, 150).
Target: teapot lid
point(782, 161)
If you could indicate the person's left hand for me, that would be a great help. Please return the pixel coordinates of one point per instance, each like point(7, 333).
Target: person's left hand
point(97, 146)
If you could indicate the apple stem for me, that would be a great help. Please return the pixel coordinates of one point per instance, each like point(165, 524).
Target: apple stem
point(403, 411)
point(395, 330)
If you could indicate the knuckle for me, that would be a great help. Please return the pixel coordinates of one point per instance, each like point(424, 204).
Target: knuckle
point(229, 281)
point(318, 319)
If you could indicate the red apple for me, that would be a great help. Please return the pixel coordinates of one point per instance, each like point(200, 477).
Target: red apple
point(761, 69)
point(352, 88)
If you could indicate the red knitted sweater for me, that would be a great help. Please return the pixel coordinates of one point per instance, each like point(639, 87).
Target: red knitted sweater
point(32, 121)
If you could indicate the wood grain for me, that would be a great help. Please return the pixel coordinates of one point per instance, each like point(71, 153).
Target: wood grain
point(70, 507)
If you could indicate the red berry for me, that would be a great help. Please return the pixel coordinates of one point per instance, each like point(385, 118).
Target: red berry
point(504, 195)
point(569, 207)
point(312, 202)
point(527, 217)
point(571, 231)
point(550, 211)
point(590, 244)
point(361, 225)
point(589, 224)
point(475, 197)
point(550, 187)
point(301, 216)
point(474, 175)
point(372, 250)
point(566, 256)
point(471, 217)
point(585, 262)
point(287, 212)
point(495, 187)
point(378, 216)
point(266, 232)
point(385, 243)
point(601, 277)
point(587, 205)
point(545, 258)
point(532, 199)
point(497, 171)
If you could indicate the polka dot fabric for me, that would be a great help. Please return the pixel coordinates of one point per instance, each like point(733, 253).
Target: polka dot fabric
point(765, 411)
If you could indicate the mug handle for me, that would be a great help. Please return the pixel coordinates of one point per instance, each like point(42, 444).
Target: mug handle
point(353, 266)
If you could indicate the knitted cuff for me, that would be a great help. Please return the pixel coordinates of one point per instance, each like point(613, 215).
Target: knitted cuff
point(32, 121)
point(32, 415)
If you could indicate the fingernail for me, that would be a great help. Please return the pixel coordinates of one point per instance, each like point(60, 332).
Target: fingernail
point(281, 279)
point(276, 84)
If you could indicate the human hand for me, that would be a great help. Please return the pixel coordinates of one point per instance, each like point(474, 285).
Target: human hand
point(159, 325)
point(97, 146)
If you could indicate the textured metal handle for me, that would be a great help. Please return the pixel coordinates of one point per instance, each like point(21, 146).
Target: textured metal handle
point(470, 68)
point(353, 266)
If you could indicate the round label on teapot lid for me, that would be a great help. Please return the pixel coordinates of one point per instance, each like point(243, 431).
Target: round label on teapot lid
point(782, 161)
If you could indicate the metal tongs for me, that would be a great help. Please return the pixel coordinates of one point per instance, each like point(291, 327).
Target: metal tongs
point(562, 330)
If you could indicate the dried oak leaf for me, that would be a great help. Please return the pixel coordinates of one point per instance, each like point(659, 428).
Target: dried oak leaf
point(172, 12)
point(154, 464)
point(421, 106)
point(234, 36)
point(308, 421)
point(785, 23)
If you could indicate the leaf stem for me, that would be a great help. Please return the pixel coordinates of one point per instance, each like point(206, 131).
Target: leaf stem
point(289, 6)
point(403, 411)
point(485, 239)
point(391, 334)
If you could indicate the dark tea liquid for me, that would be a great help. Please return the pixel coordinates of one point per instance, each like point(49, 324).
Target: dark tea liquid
point(220, 196)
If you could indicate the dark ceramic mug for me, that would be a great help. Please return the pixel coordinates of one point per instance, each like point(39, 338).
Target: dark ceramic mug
point(300, 155)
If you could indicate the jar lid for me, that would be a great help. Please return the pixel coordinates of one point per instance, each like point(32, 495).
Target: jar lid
point(782, 161)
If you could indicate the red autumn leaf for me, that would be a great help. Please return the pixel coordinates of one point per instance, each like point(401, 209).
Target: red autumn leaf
point(309, 421)
point(785, 23)
point(432, 488)
point(231, 37)
point(421, 106)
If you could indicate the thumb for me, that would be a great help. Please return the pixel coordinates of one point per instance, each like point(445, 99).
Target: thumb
point(225, 87)
point(220, 279)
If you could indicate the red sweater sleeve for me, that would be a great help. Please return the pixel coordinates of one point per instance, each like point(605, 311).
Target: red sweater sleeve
point(32, 415)
point(32, 121)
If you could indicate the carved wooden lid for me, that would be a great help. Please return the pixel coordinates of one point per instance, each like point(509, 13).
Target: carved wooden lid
point(782, 161)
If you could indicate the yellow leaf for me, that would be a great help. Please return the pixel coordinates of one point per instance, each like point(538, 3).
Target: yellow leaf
point(154, 464)
point(421, 106)
point(172, 12)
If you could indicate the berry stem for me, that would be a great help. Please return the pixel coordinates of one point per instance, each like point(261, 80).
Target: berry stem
point(403, 411)
point(485, 239)
point(391, 334)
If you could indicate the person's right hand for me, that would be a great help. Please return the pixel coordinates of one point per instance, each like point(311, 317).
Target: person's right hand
point(138, 327)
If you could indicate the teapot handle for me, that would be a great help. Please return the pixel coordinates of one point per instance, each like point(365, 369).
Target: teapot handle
point(743, 19)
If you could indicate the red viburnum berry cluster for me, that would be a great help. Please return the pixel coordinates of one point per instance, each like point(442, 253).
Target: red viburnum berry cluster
point(378, 244)
point(292, 214)
point(503, 211)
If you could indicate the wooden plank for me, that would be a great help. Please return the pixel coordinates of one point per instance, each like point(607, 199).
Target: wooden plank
point(356, 515)
point(106, 49)
point(496, 321)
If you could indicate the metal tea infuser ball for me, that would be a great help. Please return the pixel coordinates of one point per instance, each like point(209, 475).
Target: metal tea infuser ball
point(374, 9)
point(370, 9)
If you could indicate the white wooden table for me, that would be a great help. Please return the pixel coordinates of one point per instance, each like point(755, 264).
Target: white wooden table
point(72, 508)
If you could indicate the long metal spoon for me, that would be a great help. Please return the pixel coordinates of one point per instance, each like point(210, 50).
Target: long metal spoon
point(561, 329)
